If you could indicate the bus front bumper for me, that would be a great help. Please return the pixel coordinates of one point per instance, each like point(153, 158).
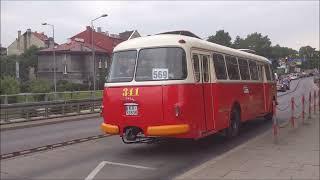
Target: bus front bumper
point(110, 129)
point(168, 130)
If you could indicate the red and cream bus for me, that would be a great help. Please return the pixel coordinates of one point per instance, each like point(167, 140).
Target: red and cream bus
point(178, 86)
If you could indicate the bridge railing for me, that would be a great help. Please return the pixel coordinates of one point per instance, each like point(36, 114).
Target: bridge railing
point(52, 96)
point(39, 106)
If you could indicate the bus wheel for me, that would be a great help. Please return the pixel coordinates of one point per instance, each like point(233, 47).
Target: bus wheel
point(234, 127)
point(269, 116)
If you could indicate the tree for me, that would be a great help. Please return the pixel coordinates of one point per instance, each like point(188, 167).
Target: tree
point(221, 37)
point(28, 59)
point(282, 52)
point(9, 85)
point(39, 86)
point(257, 42)
point(238, 43)
point(8, 65)
point(307, 51)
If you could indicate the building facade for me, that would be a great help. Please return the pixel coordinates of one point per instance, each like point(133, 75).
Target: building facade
point(74, 59)
point(73, 63)
point(26, 40)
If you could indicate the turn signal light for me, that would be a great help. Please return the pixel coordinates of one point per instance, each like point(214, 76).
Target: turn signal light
point(177, 111)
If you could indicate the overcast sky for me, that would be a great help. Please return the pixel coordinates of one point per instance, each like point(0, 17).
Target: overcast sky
point(288, 23)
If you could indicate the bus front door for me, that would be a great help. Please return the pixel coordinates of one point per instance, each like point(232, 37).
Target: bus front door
point(207, 91)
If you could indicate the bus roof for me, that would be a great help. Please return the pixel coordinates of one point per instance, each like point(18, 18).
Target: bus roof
point(162, 40)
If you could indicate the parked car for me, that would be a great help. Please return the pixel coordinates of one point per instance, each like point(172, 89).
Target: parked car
point(286, 82)
point(281, 86)
point(294, 76)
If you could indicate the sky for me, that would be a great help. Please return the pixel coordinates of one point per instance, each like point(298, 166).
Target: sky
point(287, 23)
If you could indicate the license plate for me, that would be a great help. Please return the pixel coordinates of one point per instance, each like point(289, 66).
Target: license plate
point(131, 110)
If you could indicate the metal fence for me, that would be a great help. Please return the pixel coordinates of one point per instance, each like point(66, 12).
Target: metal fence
point(53, 96)
point(38, 106)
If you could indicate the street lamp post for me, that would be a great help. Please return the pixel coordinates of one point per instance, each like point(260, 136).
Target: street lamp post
point(54, 58)
point(93, 51)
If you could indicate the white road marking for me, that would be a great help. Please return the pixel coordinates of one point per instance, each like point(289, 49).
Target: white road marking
point(103, 163)
point(129, 165)
point(95, 171)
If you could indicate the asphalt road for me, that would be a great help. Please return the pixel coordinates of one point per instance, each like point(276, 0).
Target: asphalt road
point(117, 160)
point(21, 139)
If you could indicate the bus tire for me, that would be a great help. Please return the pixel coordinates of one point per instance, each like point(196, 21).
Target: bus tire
point(234, 126)
point(269, 116)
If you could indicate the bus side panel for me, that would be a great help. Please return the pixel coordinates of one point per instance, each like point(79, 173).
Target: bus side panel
point(268, 96)
point(188, 98)
point(225, 94)
point(256, 100)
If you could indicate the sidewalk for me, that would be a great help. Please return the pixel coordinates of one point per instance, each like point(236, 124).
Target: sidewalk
point(295, 156)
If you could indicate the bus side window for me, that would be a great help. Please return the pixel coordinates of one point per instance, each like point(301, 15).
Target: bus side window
point(259, 72)
point(244, 69)
point(267, 71)
point(233, 69)
point(196, 67)
point(205, 68)
point(219, 66)
point(253, 70)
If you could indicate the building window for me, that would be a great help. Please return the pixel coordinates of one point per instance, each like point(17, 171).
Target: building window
point(65, 69)
point(105, 64)
point(100, 64)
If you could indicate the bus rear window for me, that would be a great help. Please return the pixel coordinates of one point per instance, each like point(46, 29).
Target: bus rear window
point(156, 64)
point(122, 66)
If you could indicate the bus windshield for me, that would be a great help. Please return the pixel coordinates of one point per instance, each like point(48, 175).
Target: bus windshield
point(122, 66)
point(167, 63)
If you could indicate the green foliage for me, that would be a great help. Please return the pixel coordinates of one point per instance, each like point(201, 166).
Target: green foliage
point(39, 86)
point(9, 85)
point(307, 52)
point(281, 52)
point(8, 65)
point(28, 59)
point(257, 42)
point(221, 37)
point(64, 85)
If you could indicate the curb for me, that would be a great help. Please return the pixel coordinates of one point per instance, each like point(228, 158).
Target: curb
point(43, 122)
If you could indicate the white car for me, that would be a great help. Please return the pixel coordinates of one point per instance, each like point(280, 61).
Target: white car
point(294, 76)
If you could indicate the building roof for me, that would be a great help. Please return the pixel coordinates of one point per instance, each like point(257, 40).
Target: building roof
point(101, 40)
point(74, 46)
point(125, 35)
point(40, 36)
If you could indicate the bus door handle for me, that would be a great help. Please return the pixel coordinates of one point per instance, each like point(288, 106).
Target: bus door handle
point(245, 89)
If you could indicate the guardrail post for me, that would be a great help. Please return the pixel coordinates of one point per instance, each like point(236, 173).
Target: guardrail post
point(275, 126)
point(309, 117)
point(303, 109)
point(319, 97)
point(92, 100)
point(292, 113)
point(314, 102)
point(46, 107)
point(5, 99)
